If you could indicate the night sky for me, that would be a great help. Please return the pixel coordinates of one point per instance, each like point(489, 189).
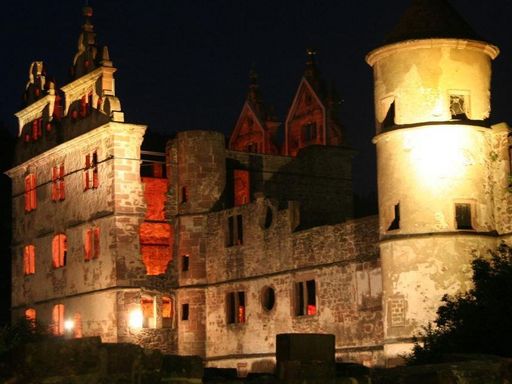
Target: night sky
point(184, 64)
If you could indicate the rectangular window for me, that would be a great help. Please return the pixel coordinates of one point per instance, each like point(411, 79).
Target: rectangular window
point(92, 243)
point(59, 250)
point(58, 319)
point(459, 106)
point(235, 307)
point(369, 287)
point(29, 259)
point(37, 130)
point(30, 315)
point(395, 224)
point(235, 231)
point(184, 195)
point(184, 312)
point(185, 260)
point(91, 179)
point(58, 190)
point(242, 187)
point(463, 216)
point(148, 312)
point(30, 193)
point(166, 312)
point(305, 298)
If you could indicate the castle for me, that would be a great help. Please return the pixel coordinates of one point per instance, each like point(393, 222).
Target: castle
point(211, 248)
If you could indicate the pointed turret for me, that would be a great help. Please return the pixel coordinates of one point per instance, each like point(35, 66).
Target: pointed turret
point(85, 59)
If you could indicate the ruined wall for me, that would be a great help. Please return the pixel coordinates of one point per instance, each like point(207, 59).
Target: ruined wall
point(341, 259)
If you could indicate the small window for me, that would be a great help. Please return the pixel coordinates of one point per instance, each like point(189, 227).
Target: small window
point(309, 132)
point(58, 189)
point(29, 259)
point(184, 195)
point(242, 187)
point(395, 224)
point(166, 312)
point(235, 307)
point(252, 147)
point(463, 216)
point(91, 179)
point(30, 315)
point(92, 243)
point(77, 326)
point(459, 106)
point(268, 298)
point(305, 298)
point(30, 193)
point(59, 250)
point(184, 312)
point(58, 319)
point(37, 130)
point(148, 312)
point(235, 234)
point(185, 260)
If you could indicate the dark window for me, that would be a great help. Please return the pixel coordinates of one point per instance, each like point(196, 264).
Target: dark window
point(395, 224)
point(458, 106)
point(463, 216)
point(235, 307)
point(184, 195)
point(185, 263)
point(305, 298)
point(268, 298)
point(235, 234)
point(309, 132)
point(184, 312)
point(252, 147)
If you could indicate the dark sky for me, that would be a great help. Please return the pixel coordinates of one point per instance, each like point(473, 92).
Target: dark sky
point(184, 64)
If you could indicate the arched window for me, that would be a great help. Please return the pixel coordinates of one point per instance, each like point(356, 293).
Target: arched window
point(59, 250)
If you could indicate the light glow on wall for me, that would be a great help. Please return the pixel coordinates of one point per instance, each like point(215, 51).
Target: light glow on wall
point(135, 319)
point(69, 325)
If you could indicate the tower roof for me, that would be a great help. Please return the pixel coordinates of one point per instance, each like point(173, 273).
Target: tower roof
point(426, 19)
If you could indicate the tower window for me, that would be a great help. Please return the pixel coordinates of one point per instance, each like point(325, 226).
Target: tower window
point(184, 312)
point(30, 193)
point(29, 258)
point(235, 307)
point(395, 224)
point(242, 187)
point(91, 179)
point(463, 216)
point(30, 315)
point(305, 298)
point(252, 147)
point(59, 250)
point(185, 263)
point(235, 233)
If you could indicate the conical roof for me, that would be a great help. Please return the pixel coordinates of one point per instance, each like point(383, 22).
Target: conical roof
point(426, 19)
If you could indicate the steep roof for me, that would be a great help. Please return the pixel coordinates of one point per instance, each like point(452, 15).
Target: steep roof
point(426, 19)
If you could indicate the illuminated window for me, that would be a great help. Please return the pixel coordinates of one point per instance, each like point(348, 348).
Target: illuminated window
point(148, 312)
point(309, 132)
point(235, 231)
point(37, 131)
point(29, 260)
point(30, 193)
point(463, 216)
point(242, 187)
point(185, 263)
point(85, 105)
point(58, 190)
point(91, 179)
point(395, 224)
point(92, 243)
point(166, 312)
point(59, 250)
point(184, 312)
point(30, 315)
point(305, 298)
point(235, 307)
point(58, 319)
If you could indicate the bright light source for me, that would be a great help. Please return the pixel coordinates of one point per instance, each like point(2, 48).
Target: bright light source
point(136, 319)
point(69, 325)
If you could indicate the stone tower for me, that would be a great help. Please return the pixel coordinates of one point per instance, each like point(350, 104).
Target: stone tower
point(441, 167)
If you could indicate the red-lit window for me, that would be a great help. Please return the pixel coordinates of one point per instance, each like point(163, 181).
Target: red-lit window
point(85, 105)
point(58, 189)
point(30, 315)
point(30, 193)
point(166, 312)
point(157, 170)
point(92, 243)
point(305, 298)
point(235, 305)
point(58, 319)
point(242, 187)
point(29, 259)
point(59, 250)
point(37, 130)
point(91, 171)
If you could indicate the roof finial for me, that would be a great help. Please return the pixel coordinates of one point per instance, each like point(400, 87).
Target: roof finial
point(311, 69)
point(253, 94)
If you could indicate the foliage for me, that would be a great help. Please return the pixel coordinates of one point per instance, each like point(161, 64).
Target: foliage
point(478, 321)
point(19, 333)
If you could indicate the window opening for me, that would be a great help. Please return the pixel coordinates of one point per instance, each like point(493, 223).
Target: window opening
point(458, 106)
point(236, 307)
point(268, 298)
point(91, 179)
point(59, 250)
point(58, 189)
point(185, 263)
point(30, 193)
point(235, 231)
point(166, 312)
point(463, 216)
point(58, 319)
point(184, 312)
point(29, 255)
point(92, 243)
point(242, 187)
point(305, 295)
point(395, 224)
point(309, 132)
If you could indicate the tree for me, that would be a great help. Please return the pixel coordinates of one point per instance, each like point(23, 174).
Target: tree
point(478, 321)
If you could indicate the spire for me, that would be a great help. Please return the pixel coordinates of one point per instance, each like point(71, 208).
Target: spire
point(253, 95)
point(311, 71)
point(85, 58)
point(426, 19)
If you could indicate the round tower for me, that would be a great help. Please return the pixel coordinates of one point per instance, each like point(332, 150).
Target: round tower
point(434, 163)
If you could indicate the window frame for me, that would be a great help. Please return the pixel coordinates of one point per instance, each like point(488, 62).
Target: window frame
point(59, 255)
point(305, 304)
point(29, 259)
point(236, 307)
point(30, 192)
